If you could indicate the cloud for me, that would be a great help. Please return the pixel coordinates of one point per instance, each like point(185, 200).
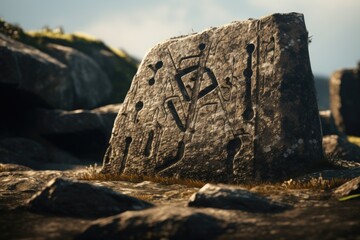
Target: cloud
point(137, 31)
point(333, 24)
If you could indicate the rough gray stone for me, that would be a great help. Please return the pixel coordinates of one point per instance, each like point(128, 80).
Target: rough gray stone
point(77, 199)
point(22, 151)
point(348, 188)
point(61, 121)
point(27, 68)
point(231, 197)
point(345, 101)
point(338, 147)
point(327, 123)
point(156, 223)
point(91, 86)
point(34, 154)
point(233, 103)
point(63, 78)
point(83, 133)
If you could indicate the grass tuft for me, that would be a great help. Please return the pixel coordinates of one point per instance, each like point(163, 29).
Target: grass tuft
point(92, 174)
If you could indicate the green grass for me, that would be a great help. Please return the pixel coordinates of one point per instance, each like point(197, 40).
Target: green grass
point(354, 140)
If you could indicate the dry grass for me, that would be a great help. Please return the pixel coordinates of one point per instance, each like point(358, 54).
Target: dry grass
point(319, 183)
point(314, 183)
point(92, 174)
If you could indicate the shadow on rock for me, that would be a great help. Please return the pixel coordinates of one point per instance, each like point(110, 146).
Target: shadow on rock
point(67, 197)
point(156, 223)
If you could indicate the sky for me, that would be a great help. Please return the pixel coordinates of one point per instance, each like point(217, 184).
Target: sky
point(137, 25)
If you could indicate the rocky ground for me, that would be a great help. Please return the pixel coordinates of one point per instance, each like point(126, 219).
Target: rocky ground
point(31, 207)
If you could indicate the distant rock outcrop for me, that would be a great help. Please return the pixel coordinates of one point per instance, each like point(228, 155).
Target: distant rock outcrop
point(345, 100)
point(66, 71)
point(53, 88)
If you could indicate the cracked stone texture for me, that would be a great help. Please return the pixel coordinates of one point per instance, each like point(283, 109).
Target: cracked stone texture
point(229, 104)
point(345, 101)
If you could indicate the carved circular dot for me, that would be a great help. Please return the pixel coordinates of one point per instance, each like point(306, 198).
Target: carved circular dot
point(248, 114)
point(248, 72)
point(159, 65)
point(228, 81)
point(139, 106)
point(151, 81)
point(128, 140)
point(202, 46)
point(250, 48)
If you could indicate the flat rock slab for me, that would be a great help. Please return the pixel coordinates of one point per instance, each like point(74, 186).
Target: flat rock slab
point(157, 223)
point(229, 104)
point(232, 197)
point(77, 199)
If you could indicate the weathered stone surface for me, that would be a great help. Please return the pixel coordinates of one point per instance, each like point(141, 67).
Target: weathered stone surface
point(62, 121)
point(349, 188)
point(83, 133)
point(17, 187)
point(233, 103)
point(91, 86)
point(34, 154)
point(156, 223)
point(72, 198)
point(231, 197)
point(345, 101)
point(338, 147)
point(36, 72)
point(327, 123)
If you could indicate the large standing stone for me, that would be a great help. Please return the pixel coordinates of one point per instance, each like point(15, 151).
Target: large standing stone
point(232, 103)
point(345, 101)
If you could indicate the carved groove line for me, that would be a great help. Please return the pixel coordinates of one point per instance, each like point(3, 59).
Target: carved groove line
point(147, 151)
point(171, 161)
point(175, 115)
point(212, 86)
point(180, 83)
point(128, 141)
point(248, 112)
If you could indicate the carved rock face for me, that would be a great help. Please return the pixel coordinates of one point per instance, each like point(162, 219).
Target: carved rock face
point(229, 104)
